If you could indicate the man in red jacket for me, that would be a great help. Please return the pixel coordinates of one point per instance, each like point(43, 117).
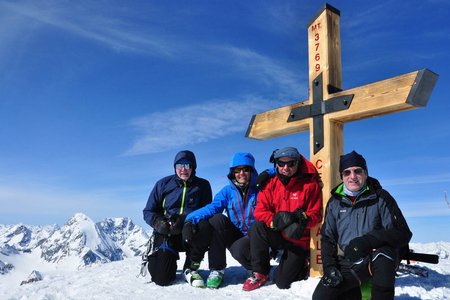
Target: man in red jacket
point(287, 207)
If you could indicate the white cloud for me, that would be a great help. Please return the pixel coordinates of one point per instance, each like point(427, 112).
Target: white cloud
point(268, 71)
point(160, 131)
point(430, 179)
point(89, 22)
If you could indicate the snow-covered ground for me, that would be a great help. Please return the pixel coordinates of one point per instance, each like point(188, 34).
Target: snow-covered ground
point(117, 280)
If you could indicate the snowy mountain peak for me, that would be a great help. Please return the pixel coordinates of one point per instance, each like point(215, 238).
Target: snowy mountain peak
point(80, 237)
point(79, 242)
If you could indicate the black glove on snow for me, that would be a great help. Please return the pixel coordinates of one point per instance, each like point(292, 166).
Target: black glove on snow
point(358, 248)
point(176, 223)
point(161, 225)
point(189, 230)
point(283, 219)
point(332, 277)
point(262, 179)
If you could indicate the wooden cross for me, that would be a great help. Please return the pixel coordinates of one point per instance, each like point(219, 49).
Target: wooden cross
point(328, 107)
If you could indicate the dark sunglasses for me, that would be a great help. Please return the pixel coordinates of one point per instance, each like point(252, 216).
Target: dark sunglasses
point(290, 164)
point(238, 170)
point(181, 166)
point(358, 171)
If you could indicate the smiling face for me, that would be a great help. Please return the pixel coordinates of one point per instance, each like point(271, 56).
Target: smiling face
point(287, 166)
point(242, 174)
point(354, 178)
point(183, 171)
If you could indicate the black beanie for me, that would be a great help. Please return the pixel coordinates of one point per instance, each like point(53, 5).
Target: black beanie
point(352, 159)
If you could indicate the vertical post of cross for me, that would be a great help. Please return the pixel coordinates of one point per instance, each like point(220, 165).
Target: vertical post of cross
point(325, 76)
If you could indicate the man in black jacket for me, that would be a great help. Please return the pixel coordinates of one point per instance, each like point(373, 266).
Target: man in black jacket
point(172, 198)
point(361, 236)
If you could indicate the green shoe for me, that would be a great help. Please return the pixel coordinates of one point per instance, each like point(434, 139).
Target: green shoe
point(215, 279)
point(193, 278)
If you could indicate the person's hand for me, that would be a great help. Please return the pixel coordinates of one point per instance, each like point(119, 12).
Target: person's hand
point(189, 230)
point(262, 179)
point(332, 277)
point(294, 231)
point(301, 217)
point(176, 223)
point(282, 219)
point(161, 225)
point(358, 248)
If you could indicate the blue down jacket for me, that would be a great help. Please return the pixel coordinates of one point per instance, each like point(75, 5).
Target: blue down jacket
point(238, 209)
point(171, 195)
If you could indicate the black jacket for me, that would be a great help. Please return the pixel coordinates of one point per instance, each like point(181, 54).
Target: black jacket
point(374, 213)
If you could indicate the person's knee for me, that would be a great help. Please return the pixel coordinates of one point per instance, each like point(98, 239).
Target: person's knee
point(162, 267)
point(383, 270)
point(218, 221)
point(258, 228)
point(163, 279)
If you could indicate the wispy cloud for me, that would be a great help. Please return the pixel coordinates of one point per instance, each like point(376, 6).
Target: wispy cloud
point(161, 131)
point(87, 21)
point(415, 180)
point(268, 70)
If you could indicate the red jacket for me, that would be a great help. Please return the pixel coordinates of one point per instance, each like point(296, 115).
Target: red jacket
point(302, 191)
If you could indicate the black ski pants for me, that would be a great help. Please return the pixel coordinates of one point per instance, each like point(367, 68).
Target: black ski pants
point(226, 235)
point(292, 263)
point(163, 262)
point(379, 267)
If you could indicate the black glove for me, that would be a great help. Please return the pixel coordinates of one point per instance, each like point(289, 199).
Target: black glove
point(161, 225)
point(262, 179)
point(301, 217)
point(358, 248)
point(294, 231)
point(176, 223)
point(189, 230)
point(283, 219)
point(332, 277)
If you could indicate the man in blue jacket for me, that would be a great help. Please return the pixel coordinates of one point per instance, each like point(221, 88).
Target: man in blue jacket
point(361, 237)
point(172, 198)
point(238, 200)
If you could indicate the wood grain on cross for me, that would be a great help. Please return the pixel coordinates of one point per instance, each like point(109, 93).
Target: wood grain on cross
point(328, 107)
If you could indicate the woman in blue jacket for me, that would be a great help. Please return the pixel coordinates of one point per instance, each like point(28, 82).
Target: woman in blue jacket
point(238, 200)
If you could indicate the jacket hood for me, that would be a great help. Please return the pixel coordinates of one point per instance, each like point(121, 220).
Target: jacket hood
point(242, 159)
point(186, 155)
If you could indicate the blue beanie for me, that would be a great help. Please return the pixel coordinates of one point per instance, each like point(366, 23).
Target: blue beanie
point(291, 152)
point(352, 159)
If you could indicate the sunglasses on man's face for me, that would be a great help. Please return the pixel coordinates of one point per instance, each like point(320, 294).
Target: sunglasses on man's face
point(290, 163)
point(358, 171)
point(244, 169)
point(181, 166)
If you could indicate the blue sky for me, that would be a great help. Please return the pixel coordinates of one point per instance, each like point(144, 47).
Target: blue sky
point(97, 97)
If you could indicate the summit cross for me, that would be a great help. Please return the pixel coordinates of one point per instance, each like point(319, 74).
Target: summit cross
point(329, 107)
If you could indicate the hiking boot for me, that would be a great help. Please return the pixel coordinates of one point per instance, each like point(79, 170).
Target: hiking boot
point(256, 281)
point(193, 278)
point(215, 279)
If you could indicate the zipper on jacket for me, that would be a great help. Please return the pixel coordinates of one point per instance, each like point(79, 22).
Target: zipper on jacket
point(182, 200)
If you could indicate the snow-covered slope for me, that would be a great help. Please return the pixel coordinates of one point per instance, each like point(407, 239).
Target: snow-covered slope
point(64, 279)
point(117, 280)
